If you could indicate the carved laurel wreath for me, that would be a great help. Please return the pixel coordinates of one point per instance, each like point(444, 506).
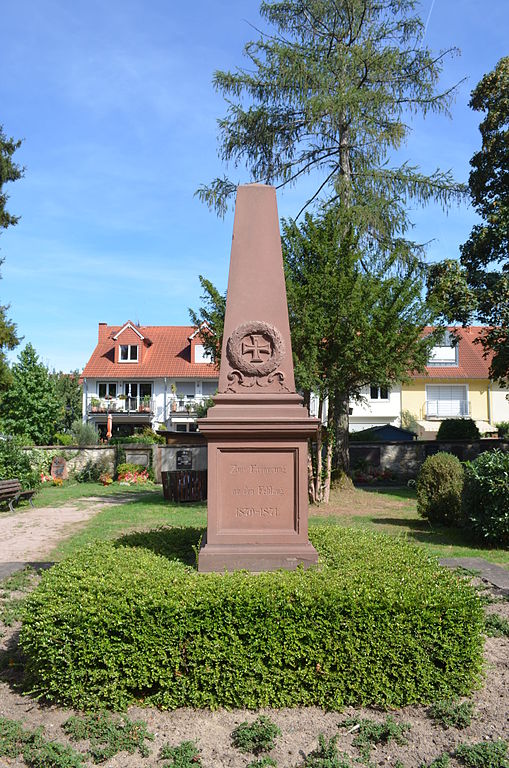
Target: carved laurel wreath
point(234, 348)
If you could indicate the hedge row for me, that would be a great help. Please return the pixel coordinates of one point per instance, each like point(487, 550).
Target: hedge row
point(379, 622)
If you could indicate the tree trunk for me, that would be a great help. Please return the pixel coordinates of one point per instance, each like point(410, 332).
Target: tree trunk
point(331, 435)
point(341, 452)
point(319, 465)
point(311, 478)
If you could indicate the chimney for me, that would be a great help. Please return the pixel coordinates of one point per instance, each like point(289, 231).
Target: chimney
point(103, 327)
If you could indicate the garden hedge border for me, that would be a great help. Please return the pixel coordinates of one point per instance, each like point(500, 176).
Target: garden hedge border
point(379, 623)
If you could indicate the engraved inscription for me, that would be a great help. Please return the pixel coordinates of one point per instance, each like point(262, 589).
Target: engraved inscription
point(257, 512)
point(258, 491)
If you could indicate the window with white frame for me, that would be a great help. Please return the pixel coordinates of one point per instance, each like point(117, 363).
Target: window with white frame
point(445, 353)
point(378, 393)
point(445, 401)
point(107, 389)
point(201, 355)
point(128, 353)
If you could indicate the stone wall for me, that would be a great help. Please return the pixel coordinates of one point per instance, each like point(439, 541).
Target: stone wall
point(77, 457)
point(405, 459)
point(166, 458)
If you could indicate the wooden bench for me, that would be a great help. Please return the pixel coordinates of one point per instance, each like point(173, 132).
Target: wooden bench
point(10, 490)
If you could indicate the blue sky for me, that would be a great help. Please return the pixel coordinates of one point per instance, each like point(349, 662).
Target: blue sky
point(118, 115)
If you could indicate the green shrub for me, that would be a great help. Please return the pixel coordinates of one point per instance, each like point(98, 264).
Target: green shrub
point(486, 497)
point(15, 463)
point(62, 438)
point(371, 733)
point(130, 467)
point(326, 755)
point(458, 429)
point(503, 429)
point(496, 626)
point(452, 714)
point(84, 433)
point(186, 755)
point(439, 489)
point(256, 737)
point(108, 735)
point(485, 754)
point(36, 751)
point(378, 623)
point(92, 470)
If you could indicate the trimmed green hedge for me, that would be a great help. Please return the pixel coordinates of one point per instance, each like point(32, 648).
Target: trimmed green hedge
point(439, 488)
point(378, 623)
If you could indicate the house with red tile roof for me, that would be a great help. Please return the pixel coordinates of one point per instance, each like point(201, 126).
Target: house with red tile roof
point(146, 376)
point(456, 384)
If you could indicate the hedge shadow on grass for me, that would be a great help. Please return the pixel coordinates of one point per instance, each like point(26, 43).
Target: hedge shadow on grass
point(175, 544)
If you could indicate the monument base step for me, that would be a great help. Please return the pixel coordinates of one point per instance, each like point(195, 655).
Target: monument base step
point(254, 557)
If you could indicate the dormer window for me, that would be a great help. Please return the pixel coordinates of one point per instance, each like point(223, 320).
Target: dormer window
point(445, 353)
point(128, 353)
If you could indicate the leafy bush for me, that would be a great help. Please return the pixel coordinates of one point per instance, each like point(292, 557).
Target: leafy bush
point(458, 429)
point(485, 754)
point(452, 714)
point(256, 737)
point(147, 437)
point(371, 733)
point(379, 622)
point(92, 471)
point(486, 497)
point(15, 463)
point(439, 489)
point(186, 755)
point(503, 429)
point(108, 735)
point(129, 468)
point(36, 751)
point(326, 755)
point(84, 433)
point(496, 626)
point(62, 438)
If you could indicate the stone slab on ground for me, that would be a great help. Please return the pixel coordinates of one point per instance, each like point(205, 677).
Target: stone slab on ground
point(7, 569)
point(495, 574)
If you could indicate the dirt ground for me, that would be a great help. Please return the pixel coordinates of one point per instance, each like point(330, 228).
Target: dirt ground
point(31, 536)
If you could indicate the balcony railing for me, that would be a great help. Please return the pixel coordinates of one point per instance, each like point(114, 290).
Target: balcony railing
point(189, 405)
point(446, 409)
point(120, 404)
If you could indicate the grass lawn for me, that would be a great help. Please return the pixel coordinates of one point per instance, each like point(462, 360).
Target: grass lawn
point(391, 511)
point(52, 496)
point(395, 512)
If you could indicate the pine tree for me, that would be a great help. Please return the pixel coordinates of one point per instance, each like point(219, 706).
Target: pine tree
point(31, 406)
point(9, 171)
point(328, 93)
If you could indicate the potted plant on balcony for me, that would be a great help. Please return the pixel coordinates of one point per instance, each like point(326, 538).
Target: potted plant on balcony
point(145, 404)
point(95, 404)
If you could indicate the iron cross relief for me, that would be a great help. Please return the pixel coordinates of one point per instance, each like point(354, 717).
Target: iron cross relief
point(259, 346)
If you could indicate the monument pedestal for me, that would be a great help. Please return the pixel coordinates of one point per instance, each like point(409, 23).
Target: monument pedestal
point(257, 483)
point(258, 430)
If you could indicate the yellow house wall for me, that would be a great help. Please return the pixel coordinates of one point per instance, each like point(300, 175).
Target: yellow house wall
point(413, 396)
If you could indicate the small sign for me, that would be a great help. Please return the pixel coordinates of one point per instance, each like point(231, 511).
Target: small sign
point(184, 460)
point(59, 468)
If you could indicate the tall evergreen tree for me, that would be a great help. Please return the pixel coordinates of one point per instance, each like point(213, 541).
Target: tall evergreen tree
point(351, 327)
point(31, 406)
point(9, 171)
point(70, 394)
point(328, 93)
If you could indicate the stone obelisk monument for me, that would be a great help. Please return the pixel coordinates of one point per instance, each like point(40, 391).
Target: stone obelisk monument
point(257, 430)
